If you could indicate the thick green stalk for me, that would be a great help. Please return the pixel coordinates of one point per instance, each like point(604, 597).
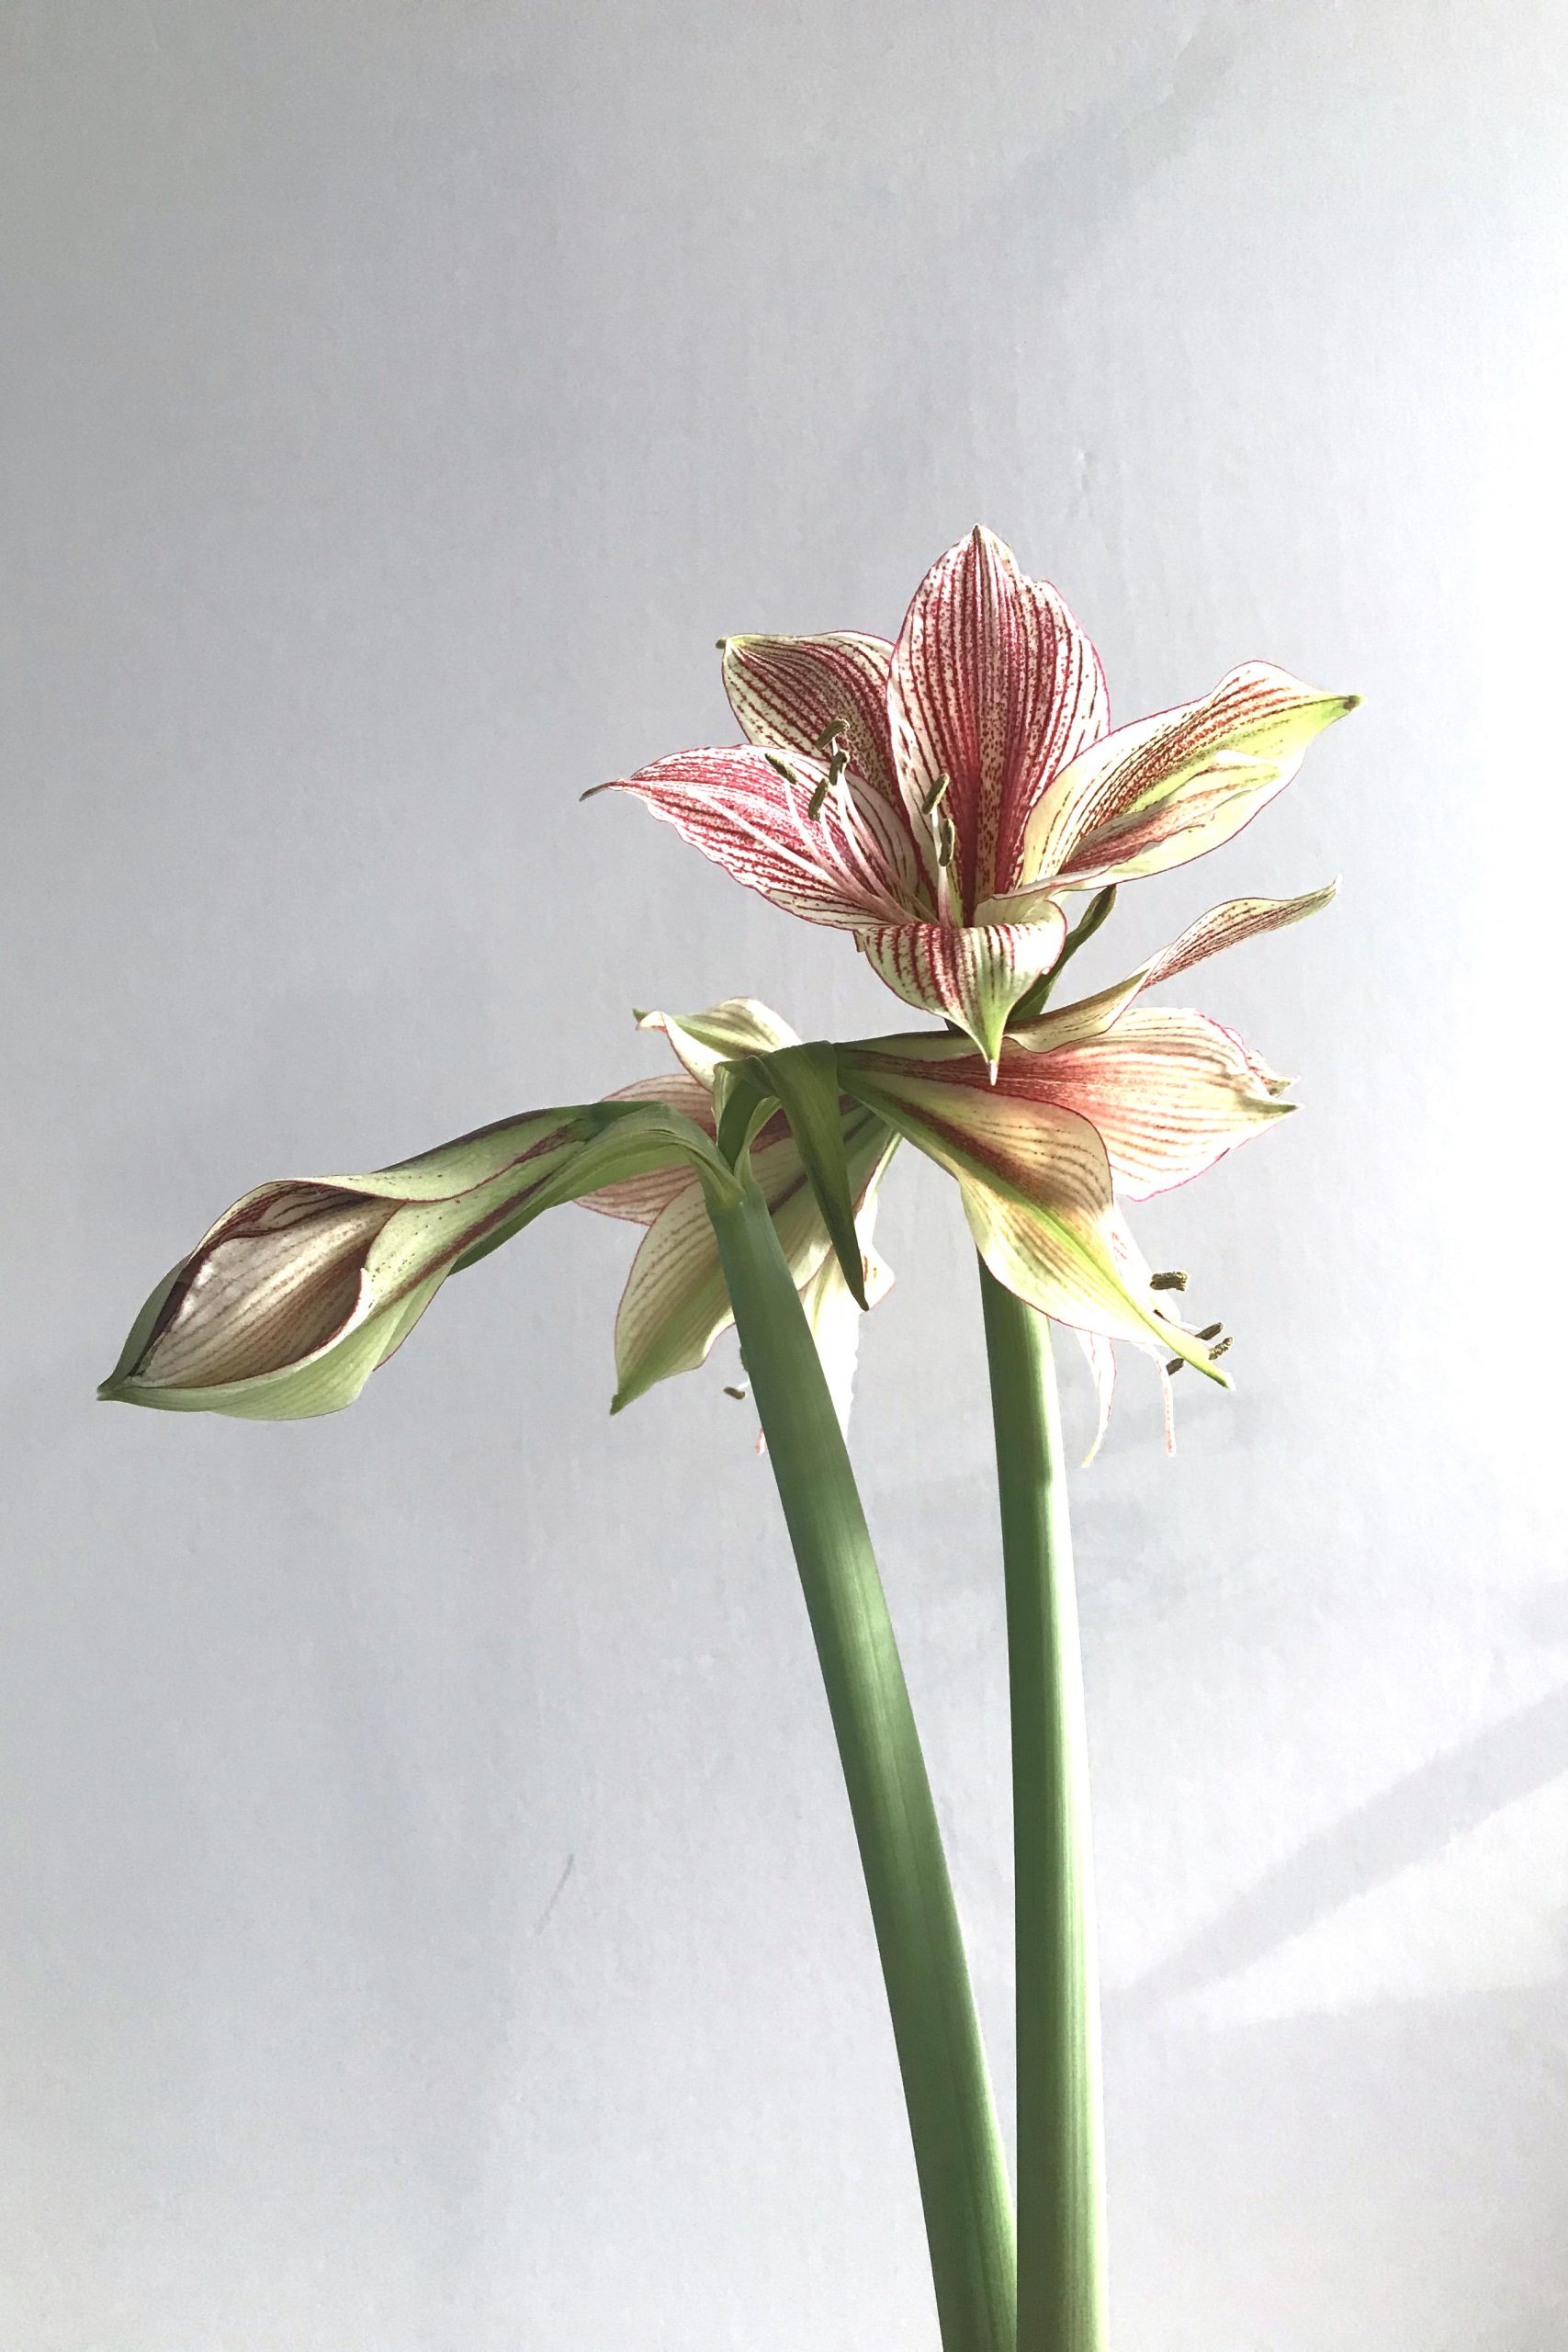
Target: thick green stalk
point(958, 2153)
point(1061, 2164)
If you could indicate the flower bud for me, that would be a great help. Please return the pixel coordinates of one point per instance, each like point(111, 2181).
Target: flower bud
point(304, 1287)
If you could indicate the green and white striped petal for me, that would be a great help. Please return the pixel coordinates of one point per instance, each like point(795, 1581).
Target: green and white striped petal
point(675, 1303)
point(1037, 1190)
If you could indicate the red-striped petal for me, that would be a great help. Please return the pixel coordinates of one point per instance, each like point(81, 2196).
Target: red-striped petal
point(1169, 1092)
point(639, 1199)
point(1166, 789)
point(787, 691)
point(995, 687)
point(972, 975)
point(731, 803)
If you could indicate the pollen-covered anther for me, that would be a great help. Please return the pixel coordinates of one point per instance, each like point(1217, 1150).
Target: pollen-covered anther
point(1175, 1280)
point(946, 841)
point(780, 766)
point(935, 796)
point(830, 734)
point(739, 1394)
point(1218, 1350)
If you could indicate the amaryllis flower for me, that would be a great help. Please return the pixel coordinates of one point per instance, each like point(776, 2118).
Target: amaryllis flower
point(1086, 1109)
point(302, 1289)
point(938, 796)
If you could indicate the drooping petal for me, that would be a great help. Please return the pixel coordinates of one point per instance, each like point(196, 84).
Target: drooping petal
point(1101, 1354)
point(639, 1199)
point(972, 975)
point(675, 1303)
point(724, 1033)
point(1169, 1092)
point(1166, 789)
point(994, 687)
point(832, 1311)
point(1037, 1190)
point(833, 866)
point(787, 692)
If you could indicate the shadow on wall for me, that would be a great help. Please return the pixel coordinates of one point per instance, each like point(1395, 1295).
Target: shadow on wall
point(1408, 1823)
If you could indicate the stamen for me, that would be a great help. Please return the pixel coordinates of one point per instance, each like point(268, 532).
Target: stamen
point(1175, 1280)
point(835, 776)
point(935, 796)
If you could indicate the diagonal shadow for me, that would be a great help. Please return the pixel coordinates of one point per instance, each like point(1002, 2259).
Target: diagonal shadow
point(1407, 1823)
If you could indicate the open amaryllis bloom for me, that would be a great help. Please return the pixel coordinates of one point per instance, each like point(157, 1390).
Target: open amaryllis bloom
point(1089, 1107)
point(938, 796)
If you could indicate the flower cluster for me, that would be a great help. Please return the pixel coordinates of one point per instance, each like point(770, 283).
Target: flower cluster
point(939, 797)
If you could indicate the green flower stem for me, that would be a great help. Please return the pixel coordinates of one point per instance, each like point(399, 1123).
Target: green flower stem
point(958, 2153)
point(1061, 2164)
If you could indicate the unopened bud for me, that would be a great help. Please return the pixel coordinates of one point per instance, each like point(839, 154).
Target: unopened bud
point(291, 1300)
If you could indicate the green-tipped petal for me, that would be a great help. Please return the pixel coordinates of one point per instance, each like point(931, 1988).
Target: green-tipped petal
point(1166, 789)
point(972, 975)
point(724, 1033)
point(1037, 1190)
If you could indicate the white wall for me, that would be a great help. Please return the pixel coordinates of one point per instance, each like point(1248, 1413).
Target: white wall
point(430, 1923)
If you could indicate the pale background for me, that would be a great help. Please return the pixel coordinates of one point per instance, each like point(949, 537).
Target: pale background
point(429, 1919)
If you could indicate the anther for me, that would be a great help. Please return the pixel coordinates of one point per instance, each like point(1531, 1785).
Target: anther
point(1176, 1363)
point(935, 796)
point(781, 767)
point(1175, 1280)
point(830, 733)
point(1217, 1350)
point(1210, 1330)
point(738, 1393)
